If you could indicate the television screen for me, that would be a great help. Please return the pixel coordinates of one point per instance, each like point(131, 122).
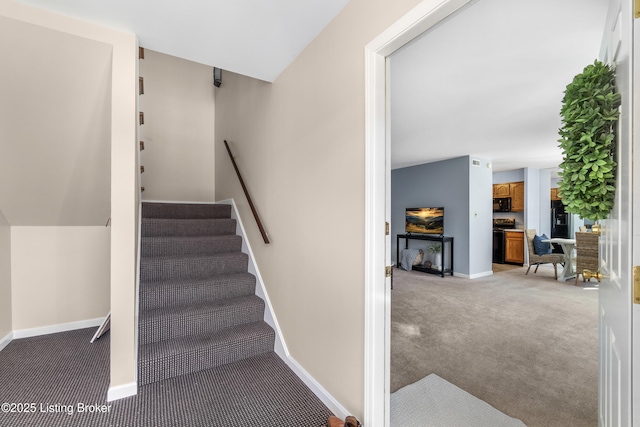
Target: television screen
point(425, 220)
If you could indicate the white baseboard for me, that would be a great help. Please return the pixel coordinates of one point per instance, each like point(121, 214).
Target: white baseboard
point(122, 391)
point(261, 290)
point(483, 274)
point(6, 340)
point(473, 276)
point(280, 346)
point(322, 394)
point(53, 329)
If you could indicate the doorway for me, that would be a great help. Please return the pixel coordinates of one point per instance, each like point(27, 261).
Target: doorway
point(425, 16)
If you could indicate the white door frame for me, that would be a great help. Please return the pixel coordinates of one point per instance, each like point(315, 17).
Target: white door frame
point(635, 327)
point(377, 297)
point(377, 293)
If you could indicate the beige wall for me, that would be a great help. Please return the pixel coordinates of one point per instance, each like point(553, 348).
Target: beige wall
point(124, 189)
point(178, 108)
point(54, 126)
point(5, 277)
point(59, 275)
point(299, 143)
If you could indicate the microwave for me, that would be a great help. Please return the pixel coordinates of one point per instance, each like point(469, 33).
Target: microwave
point(502, 204)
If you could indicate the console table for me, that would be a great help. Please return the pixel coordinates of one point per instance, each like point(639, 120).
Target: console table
point(431, 238)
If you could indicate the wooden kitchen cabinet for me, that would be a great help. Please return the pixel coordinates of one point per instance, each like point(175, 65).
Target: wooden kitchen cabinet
point(514, 247)
point(555, 194)
point(501, 190)
point(516, 191)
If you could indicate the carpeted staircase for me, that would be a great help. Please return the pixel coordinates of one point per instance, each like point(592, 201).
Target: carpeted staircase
point(198, 307)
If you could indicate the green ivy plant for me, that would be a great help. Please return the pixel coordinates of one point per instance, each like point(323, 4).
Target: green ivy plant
point(589, 115)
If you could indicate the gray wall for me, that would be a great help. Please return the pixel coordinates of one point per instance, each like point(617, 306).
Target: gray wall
point(480, 217)
point(515, 175)
point(463, 190)
point(532, 196)
point(545, 202)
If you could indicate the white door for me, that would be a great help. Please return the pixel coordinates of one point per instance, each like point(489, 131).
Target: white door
point(616, 244)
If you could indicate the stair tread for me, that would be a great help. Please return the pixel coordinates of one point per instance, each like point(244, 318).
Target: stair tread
point(174, 245)
point(193, 257)
point(193, 239)
point(175, 346)
point(185, 210)
point(185, 291)
point(186, 220)
point(190, 281)
point(199, 309)
point(154, 269)
point(154, 227)
point(184, 320)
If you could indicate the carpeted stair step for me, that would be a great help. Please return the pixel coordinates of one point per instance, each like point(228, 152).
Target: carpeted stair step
point(180, 321)
point(192, 291)
point(180, 356)
point(198, 307)
point(203, 245)
point(185, 210)
point(155, 227)
point(154, 269)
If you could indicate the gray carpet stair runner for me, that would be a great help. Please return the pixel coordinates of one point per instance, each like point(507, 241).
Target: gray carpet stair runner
point(198, 307)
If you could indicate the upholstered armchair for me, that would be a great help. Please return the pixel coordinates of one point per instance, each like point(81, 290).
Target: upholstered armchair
point(535, 259)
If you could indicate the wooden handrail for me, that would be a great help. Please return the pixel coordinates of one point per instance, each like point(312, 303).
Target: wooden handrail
point(246, 193)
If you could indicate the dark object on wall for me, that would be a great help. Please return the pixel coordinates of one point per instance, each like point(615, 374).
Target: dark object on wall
point(498, 246)
point(424, 220)
point(217, 77)
point(560, 224)
point(502, 204)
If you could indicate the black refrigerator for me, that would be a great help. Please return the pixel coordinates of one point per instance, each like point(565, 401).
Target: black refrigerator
point(560, 223)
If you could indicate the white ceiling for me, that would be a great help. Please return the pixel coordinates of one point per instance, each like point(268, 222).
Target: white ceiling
point(489, 82)
point(256, 38)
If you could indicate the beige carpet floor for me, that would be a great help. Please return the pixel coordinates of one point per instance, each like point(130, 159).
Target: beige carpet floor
point(525, 344)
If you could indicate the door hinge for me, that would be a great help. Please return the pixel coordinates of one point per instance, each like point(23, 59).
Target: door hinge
point(386, 228)
point(636, 284)
point(636, 8)
point(387, 271)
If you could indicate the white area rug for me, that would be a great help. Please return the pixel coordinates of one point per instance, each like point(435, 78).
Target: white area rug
point(434, 402)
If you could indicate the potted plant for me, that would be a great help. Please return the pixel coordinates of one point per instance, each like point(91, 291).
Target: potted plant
point(436, 251)
point(589, 115)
